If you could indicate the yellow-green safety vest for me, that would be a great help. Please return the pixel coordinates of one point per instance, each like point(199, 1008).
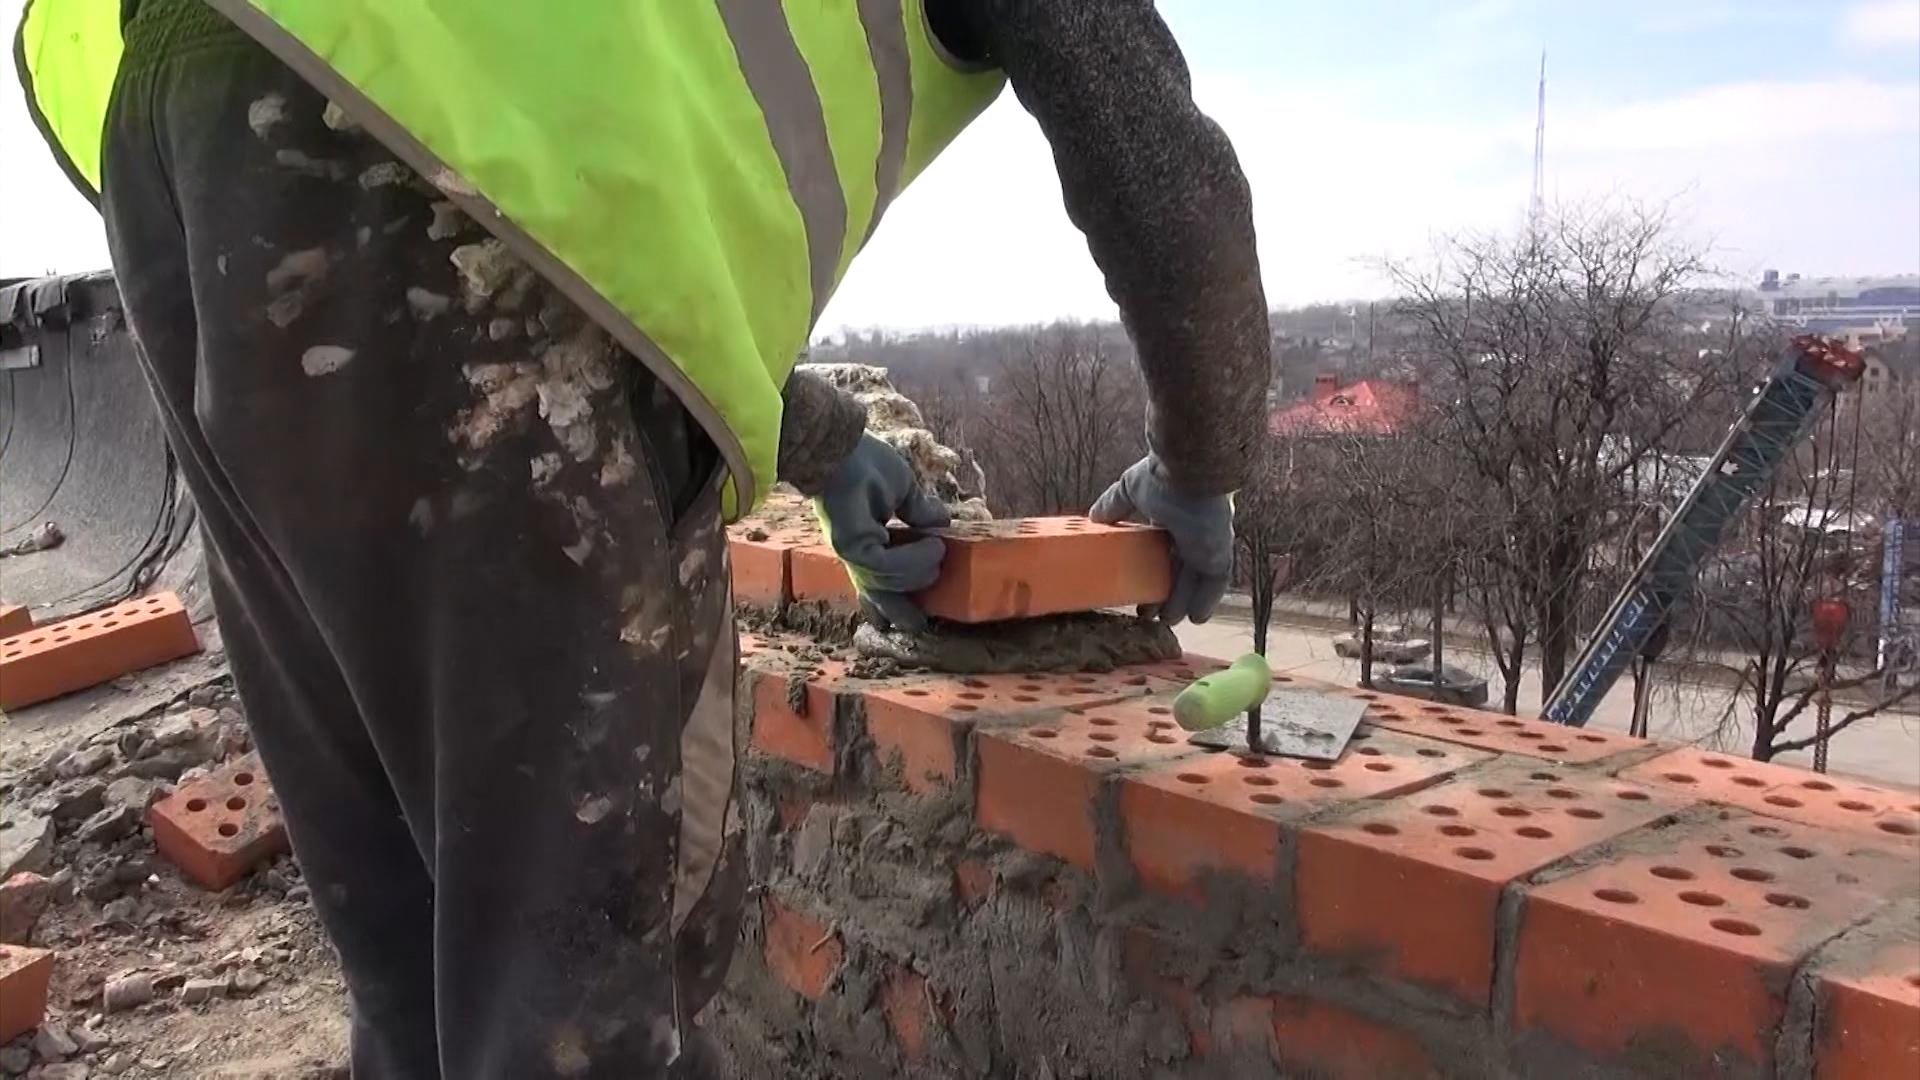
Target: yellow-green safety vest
point(696, 174)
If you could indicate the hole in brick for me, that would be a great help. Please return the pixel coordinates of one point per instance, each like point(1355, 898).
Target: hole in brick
point(1101, 752)
point(1441, 811)
point(1265, 799)
point(194, 806)
point(1368, 751)
point(1368, 697)
point(1260, 781)
point(243, 778)
point(916, 693)
point(1192, 778)
point(1898, 828)
point(976, 684)
point(109, 624)
point(1854, 805)
point(1025, 699)
point(1159, 710)
point(1783, 800)
point(1477, 854)
point(1102, 721)
point(1591, 738)
point(1723, 851)
point(1162, 739)
point(1496, 793)
point(1316, 766)
point(236, 803)
point(972, 696)
point(1509, 723)
point(961, 706)
point(1789, 900)
point(1254, 763)
point(1379, 766)
point(1585, 814)
point(1702, 899)
point(1716, 763)
point(1672, 873)
point(1796, 853)
point(84, 626)
point(1428, 751)
point(1816, 785)
point(1469, 731)
point(58, 638)
point(1766, 830)
point(1102, 736)
point(1379, 829)
point(1631, 795)
point(1512, 811)
point(1553, 748)
point(1749, 781)
point(1044, 733)
point(38, 639)
point(1452, 721)
point(1435, 709)
point(1458, 830)
point(1326, 782)
point(1531, 735)
point(1735, 927)
point(1534, 832)
point(1546, 776)
point(1616, 896)
point(1914, 981)
point(229, 829)
point(1562, 793)
point(1748, 873)
point(1160, 725)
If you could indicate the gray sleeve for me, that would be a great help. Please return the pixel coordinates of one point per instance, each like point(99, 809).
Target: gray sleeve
point(1155, 186)
point(819, 427)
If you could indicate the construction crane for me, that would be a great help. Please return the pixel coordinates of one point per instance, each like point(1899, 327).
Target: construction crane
point(1812, 370)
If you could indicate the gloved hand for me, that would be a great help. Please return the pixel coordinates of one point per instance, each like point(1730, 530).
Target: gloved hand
point(1201, 527)
point(873, 485)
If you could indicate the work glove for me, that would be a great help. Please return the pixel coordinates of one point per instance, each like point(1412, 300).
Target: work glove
point(1201, 527)
point(868, 490)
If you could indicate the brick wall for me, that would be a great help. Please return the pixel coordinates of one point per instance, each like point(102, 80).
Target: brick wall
point(1037, 876)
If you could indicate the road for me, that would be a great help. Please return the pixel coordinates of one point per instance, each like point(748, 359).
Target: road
point(1882, 749)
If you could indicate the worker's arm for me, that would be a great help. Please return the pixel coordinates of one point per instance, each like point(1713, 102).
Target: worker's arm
point(819, 427)
point(1156, 188)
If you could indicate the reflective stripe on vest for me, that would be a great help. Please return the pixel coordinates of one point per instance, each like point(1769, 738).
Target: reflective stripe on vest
point(697, 176)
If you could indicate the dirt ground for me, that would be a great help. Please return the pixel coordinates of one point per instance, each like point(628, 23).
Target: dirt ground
point(239, 983)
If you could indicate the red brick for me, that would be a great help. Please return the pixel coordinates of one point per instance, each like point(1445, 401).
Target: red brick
point(802, 736)
point(801, 951)
point(1324, 1040)
point(1495, 731)
point(1410, 888)
point(24, 975)
point(1869, 1003)
point(1224, 811)
point(1684, 941)
point(14, 619)
point(1046, 566)
point(218, 828)
point(1037, 784)
point(910, 1012)
point(816, 574)
point(973, 880)
point(1781, 791)
point(90, 649)
point(759, 571)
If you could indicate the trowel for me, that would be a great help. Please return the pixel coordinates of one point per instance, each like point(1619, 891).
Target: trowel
point(1238, 707)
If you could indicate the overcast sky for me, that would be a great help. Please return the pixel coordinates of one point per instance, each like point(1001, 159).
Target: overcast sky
point(1786, 131)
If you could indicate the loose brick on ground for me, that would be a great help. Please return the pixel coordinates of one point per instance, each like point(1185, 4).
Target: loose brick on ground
point(1225, 811)
point(1495, 731)
point(90, 649)
point(219, 828)
point(1683, 942)
point(1028, 567)
point(24, 975)
point(1410, 888)
point(1890, 816)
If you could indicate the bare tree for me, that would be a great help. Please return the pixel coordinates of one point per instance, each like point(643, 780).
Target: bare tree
point(1065, 416)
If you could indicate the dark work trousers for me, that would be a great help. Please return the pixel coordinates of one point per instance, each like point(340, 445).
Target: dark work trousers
point(468, 562)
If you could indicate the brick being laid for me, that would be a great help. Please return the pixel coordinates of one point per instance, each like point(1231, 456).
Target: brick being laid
point(59, 658)
point(1029, 567)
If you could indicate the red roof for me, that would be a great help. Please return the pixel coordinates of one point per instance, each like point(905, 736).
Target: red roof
point(1372, 407)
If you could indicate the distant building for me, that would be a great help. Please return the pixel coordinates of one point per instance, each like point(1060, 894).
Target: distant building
point(1862, 309)
point(1893, 367)
point(1370, 407)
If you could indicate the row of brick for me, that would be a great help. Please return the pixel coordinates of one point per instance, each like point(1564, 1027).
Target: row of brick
point(38, 663)
point(991, 570)
point(1664, 895)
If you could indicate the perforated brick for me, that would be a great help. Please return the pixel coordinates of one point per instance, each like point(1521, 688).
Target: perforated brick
point(1037, 783)
point(793, 707)
point(1224, 811)
point(760, 562)
point(1683, 942)
point(24, 975)
point(14, 619)
point(1410, 888)
point(1495, 731)
point(218, 828)
point(1046, 566)
point(1868, 1013)
point(90, 649)
point(1781, 791)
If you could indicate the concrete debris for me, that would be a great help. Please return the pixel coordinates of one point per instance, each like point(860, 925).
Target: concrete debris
point(247, 982)
point(117, 1064)
point(89, 1040)
point(121, 911)
point(205, 695)
point(66, 1070)
point(16, 1060)
point(129, 991)
point(86, 761)
point(52, 1043)
point(74, 800)
point(133, 791)
point(23, 897)
point(109, 825)
point(26, 842)
point(196, 991)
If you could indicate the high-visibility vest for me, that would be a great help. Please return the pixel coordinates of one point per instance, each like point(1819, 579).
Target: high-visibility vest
point(695, 174)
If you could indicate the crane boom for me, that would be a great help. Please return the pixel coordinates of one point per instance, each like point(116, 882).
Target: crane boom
point(1811, 370)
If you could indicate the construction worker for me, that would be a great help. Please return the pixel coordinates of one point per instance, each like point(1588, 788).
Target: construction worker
point(471, 325)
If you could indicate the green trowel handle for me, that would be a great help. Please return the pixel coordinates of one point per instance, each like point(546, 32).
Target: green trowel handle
point(1224, 695)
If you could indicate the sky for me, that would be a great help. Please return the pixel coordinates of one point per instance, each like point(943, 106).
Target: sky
point(1782, 133)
